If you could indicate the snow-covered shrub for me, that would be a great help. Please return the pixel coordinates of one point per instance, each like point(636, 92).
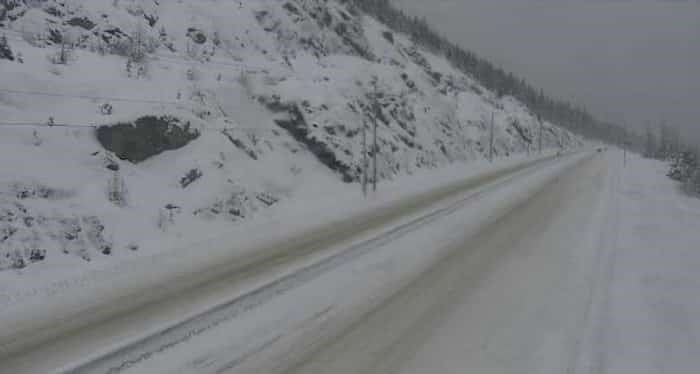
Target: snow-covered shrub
point(162, 220)
point(135, 47)
point(106, 109)
point(238, 205)
point(36, 255)
point(192, 74)
point(239, 144)
point(5, 51)
point(691, 184)
point(191, 49)
point(55, 71)
point(201, 45)
point(63, 55)
point(37, 190)
point(116, 189)
point(190, 177)
point(140, 45)
point(165, 39)
point(65, 41)
point(196, 35)
point(166, 217)
point(136, 70)
point(17, 260)
point(36, 139)
point(685, 169)
point(245, 80)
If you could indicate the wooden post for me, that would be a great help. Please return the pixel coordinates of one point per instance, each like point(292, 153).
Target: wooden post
point(540, 140)
point(491, 139)
point(624, 145)
point(375, 150)
point(364, 158)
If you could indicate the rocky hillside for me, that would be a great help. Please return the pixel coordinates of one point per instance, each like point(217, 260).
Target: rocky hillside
point(124, 121)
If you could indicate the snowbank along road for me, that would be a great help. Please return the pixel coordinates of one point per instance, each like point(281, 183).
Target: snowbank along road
point(262, 103)
point(121, 334)
point(511, 299)
point(596, 273)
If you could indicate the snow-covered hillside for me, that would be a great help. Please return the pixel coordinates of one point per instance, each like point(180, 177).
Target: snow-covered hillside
point(123, 121)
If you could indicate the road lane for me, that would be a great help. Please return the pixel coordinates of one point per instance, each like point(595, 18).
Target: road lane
point(278, 334)
point(509, 300)
point(85, 334)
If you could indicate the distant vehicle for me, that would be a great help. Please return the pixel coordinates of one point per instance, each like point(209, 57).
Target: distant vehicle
point(600, 149)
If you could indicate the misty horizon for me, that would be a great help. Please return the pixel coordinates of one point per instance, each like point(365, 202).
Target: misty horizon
point(631, 62)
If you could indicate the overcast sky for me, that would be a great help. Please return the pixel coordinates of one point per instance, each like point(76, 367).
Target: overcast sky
point(625, 60)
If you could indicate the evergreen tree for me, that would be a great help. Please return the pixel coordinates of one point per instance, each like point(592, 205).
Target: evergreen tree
point(650, 149)
point(493, 78)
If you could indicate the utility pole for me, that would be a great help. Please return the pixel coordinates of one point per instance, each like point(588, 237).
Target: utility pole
point(624, 145)
point(539, 119)
point(375, 149)
point(491, 139)
point(63, 56)
point(364, 158)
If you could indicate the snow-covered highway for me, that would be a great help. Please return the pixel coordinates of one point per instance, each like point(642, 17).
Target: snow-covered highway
point(530, 267)
point(129, 329)
point(329, 187)
point(597, 273)
point(512, 299)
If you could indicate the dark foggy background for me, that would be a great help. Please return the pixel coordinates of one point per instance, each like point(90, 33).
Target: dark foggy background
point(632, 61)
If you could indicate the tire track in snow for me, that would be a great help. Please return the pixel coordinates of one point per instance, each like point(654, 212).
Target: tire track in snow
point(589, 354)
point(126, 357)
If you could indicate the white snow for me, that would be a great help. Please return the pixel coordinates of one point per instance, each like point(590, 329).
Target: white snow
point(602, 279)
point(594, 274)
point(605, 281)
point(62, 290)
point(254, 50)
point(644, 317)
point(508, 300)
point(273, 335)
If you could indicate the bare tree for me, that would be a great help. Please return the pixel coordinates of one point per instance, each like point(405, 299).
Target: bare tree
point(650, 148)
point(116, 189)
point(65, 50)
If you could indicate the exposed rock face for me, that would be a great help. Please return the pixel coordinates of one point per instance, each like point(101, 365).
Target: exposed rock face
point(255, 101)
point(146, 137)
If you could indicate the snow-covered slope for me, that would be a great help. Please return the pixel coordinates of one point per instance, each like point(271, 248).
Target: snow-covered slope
point(243, 105)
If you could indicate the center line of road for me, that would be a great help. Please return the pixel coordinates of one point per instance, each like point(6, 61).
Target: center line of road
point(136, 352)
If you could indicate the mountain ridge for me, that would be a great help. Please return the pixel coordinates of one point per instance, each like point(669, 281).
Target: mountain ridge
point(277, 92)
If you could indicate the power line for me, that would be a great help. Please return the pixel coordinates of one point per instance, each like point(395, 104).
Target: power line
point(186, 61)
point(36, 124)
point(88, 97)
point(94, 126)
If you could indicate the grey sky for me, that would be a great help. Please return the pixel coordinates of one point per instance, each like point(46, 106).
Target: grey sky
point(625, 60)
